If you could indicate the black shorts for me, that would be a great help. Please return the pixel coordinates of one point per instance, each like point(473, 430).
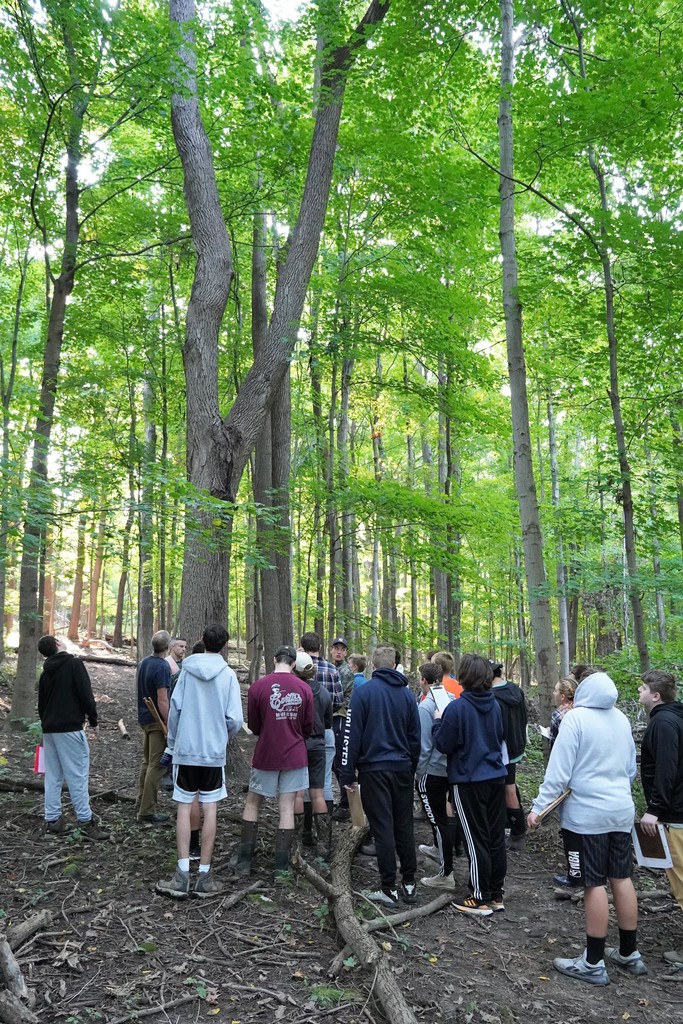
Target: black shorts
point(190, 780)
point(609, 855)
point(316, 768)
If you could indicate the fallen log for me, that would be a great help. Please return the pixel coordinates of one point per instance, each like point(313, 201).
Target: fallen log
point(363, 946)
point(20, 933)
point(12, 1011)
point(125, 735)
point(11, 972)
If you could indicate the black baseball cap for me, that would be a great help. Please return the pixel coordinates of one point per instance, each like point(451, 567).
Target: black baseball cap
point(286, 650)
point(340, 640)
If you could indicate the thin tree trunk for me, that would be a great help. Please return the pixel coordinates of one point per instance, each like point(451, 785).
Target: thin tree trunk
point(98, 558)
point(626, 493)
point(532, 541)
point(656, 556)
point(76, 601)
point(146, 529)
point(561, 570)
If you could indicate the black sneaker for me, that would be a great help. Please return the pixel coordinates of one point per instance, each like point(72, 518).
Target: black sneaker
point(409, 892)
point(56, 827)
point(195, 852)
point(341, 814)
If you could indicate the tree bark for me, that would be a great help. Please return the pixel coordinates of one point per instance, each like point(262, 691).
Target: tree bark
point(218, 449)
point(77, 598)
point(532, 540)
point(95, 575)
point(561, 572)
point(146, 528)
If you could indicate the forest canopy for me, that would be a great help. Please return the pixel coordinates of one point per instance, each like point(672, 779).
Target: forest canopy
point(278, 284)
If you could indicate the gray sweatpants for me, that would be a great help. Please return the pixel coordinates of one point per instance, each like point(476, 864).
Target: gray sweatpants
point(67, 759)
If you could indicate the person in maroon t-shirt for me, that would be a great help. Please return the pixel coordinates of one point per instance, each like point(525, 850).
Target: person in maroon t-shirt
point(280, 712)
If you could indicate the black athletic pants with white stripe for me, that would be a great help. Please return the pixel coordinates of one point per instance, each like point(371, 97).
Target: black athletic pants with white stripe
point(434, 791)
point(481, 809)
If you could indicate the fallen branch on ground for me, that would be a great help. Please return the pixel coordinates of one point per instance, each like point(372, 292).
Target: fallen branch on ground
point(20, 933)
point(362, 945)
point(11, 972)
point(13, 1011)
point(159, 1008)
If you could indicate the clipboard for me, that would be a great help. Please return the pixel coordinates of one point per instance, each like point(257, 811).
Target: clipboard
point(542, 815)
point(651, 851)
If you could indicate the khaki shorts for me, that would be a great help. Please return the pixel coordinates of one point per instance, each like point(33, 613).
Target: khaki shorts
point(271, 783)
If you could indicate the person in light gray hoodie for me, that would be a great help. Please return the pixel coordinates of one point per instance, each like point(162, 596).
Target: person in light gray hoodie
point(594, 757)
point(205, 712)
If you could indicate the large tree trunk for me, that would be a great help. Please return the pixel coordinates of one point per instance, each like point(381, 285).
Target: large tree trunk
point(532, 540)
point(561, 575)
point(218, 450)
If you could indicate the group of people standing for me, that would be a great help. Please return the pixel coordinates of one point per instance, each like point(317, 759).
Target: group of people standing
point(458, 745)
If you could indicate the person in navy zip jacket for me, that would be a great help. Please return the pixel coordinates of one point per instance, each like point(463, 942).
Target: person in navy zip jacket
point(382, 743)
point(470, 733)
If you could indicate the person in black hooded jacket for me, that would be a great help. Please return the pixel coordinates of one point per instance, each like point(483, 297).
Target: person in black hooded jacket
point(513, 709)
point(382, 743)
point(65, 700)
point(661, 769)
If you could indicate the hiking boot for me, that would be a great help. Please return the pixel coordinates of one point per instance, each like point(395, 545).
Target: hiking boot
point(155, 818)
point(177, 887)
point(470, 905)
point(674, 957)
point(444, 882)
point(389, 897)
point(341, 814)
point(207, 885)
point(91, 830)
point(430, 851)
point(633, 963)
point(56, 827)
point(567, 882)
point(246, 849)
point(579, 968)
point(368, 849)
point(408, 892)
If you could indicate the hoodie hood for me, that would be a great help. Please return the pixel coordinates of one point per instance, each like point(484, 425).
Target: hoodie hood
point(508, 693)
point(483, 702)
point(55, 662)
point(390, 676)
point(204, 666)
point(674, 708)
point(596, 691)
point(314, 684)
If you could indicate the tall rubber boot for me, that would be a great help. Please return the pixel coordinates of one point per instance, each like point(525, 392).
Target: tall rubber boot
point(283, 846)
point(323, 826)
point(247, 847)
point(307, 831)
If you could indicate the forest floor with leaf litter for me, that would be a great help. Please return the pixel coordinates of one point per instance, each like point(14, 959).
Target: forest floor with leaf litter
point(117, 951)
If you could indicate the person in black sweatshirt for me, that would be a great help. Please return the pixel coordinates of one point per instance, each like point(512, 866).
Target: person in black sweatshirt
point(382, 743)
point(470, 732)
point(513, 709)
point(65, 700)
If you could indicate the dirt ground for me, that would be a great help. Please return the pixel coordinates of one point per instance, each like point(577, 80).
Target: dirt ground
point(116, 951)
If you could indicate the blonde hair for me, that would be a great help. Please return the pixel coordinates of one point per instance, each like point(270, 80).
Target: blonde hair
point(567, 687)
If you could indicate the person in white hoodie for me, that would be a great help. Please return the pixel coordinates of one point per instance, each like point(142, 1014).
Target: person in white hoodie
point(205, 712)
point(594, 757)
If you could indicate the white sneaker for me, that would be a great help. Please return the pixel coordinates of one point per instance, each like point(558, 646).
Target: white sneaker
point(389, 898)
point(430, 851)
point(446, 882)
point(579, 968)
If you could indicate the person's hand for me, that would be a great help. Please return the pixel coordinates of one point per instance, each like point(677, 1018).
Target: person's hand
point(166, 759)
point(532, 821)
point(353, 788)
point(437, 714)
point(95, 731)
point(649, 824)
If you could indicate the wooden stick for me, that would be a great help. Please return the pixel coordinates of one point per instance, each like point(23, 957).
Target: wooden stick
point(551, 807)
point(160, 1008)
point(18, 934)
point(152, 708)
point(11, 972)
point(125, 735)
